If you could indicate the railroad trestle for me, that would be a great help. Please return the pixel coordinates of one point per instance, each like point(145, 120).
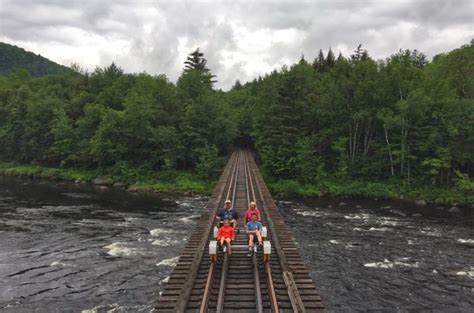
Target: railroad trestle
point(274, 279)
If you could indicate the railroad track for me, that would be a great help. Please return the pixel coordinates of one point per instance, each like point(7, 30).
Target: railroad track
point(274, 280)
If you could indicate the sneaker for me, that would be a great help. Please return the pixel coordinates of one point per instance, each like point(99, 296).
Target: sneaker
point(255, 248)
point(224, 249)
point(250, 253)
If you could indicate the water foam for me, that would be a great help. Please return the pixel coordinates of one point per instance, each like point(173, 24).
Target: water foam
point(120, 249)
point(468, 241)
point(188, 219)
point(469, 273)
point(388, 264)
point(164, 242)
point(158, 231)
point(165, 280)
point(115, 307)
point(168, 262)
point(363, 216)
point(336, 242)
point(431, 233)
point(380, 229)
point(58, 263)
point(309, 213)
point(389, 223)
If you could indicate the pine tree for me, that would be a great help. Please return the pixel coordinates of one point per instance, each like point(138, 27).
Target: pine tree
point(319, 63)
point(302, 60)
point(237, 85)
point(340, 57)
point(196, 62)
point(360, 54)
point(330, 59)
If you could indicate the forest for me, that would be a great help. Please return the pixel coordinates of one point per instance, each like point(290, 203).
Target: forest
point(337, 125)
point(13, 57)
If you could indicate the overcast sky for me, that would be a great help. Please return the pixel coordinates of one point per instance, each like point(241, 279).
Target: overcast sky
point(240, 39)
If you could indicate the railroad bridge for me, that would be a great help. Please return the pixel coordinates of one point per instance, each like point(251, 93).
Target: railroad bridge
point(272, 280)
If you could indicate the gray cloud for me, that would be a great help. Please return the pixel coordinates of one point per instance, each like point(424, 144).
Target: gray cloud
point(240, 39)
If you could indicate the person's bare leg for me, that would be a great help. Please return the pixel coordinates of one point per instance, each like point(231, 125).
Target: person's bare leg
point(251, 241)
point(234, 224)
point(227, 240)
point(259, 237)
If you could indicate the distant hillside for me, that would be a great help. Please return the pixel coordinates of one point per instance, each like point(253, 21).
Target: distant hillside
point(13, 57)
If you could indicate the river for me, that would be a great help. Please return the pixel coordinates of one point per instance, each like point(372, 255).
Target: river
point(72, 248)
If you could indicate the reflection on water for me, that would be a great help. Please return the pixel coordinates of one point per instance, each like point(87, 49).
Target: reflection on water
point(369, 255)
point(67, 248)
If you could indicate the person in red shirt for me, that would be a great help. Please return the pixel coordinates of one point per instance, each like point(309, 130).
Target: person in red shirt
point(252, 210)
point(226, 234)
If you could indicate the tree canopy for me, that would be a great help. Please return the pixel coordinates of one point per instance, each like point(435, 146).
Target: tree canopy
point(348, 117)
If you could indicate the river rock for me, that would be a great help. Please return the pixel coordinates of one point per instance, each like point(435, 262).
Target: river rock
point(398, 213)
point(99, 181)
point(387, 207)
point(421, 203)
point(416, 215)
point(77, 181)
point(120, 185)
point(454, 209)
point(102, 188)
point(440, 208)
point(329, 206)
point(133, 189)
point(342, 204)
point(358, 206)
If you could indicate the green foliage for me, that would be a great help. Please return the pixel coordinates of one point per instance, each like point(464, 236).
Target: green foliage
point(141, 178)
point(208, 162)
point(120, 125)
point(345, 125)
point(354, 119)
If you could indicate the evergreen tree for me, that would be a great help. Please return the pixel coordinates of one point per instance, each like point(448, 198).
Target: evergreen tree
point(302, 60)
point(319, 63)
point(237, 85)
point(197, 63)
point(330, 59)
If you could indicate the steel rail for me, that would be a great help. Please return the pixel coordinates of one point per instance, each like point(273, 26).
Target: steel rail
point(256, 278)
point(185, 291)
point(293, 293)
point(221, 295)
point(268, 270)
point(212, 268)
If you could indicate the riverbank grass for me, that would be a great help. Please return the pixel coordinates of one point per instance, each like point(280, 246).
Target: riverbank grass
point(363, 189)
point(186, 181)
point(136, 178)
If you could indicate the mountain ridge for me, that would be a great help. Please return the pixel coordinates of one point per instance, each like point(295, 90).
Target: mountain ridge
point(13, 57)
